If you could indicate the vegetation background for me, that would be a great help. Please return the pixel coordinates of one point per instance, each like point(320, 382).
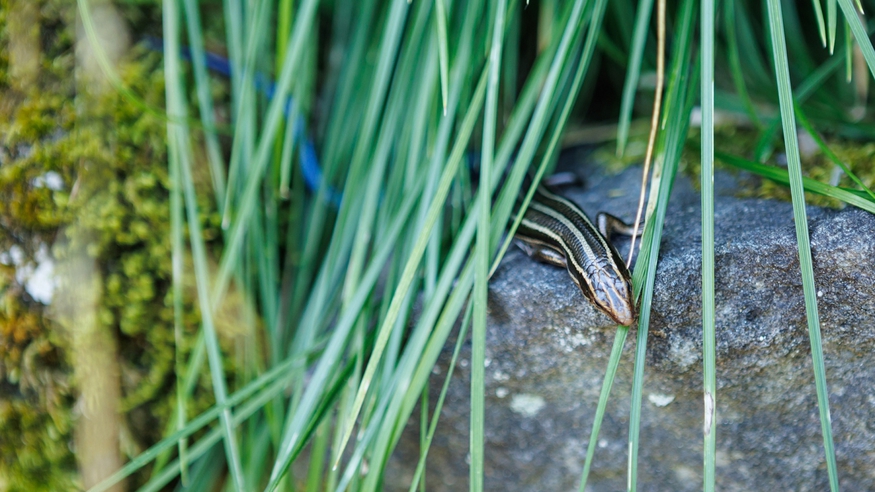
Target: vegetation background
point(234, 255)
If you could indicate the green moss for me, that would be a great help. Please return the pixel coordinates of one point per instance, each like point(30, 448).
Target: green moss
point(860, 158)
point(35, 389)
point(110, 156)
point(35, 416)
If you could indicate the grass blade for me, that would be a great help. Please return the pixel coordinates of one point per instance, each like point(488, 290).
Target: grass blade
point(106, 66)
point(607, 384)
point(859, 199)
point(205, 100)
point(734, 60)
point(483, 252)
point(443, 52)
point(709, 354)
point(419, 473)
point(859, 32)
point(508, 197)
point(178, 142)
point(803, 120)
point(177, 242)
point(831, 19)
point(677, 122)
point(416, 255)
point(248, 199)
point(794, 165)
point(821, 27)
point(305, 412)
point(633, 72)
point(270, 384)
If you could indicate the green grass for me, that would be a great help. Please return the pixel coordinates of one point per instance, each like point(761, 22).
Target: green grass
point(709, 344)
point(395, 97)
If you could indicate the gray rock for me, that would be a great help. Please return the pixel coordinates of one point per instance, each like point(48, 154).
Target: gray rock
point(547, 350)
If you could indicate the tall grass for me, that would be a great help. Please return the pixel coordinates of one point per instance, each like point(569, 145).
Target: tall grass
point(389, 96)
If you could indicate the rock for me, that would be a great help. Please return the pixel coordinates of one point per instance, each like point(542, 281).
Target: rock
point(547, 350)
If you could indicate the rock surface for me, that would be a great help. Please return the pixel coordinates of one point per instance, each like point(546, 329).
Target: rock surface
point(547, 350)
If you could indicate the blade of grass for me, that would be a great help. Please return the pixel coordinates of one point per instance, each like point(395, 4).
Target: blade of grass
point(177, 246)
point(650, 252)
point(287, 151)
point(402, 403)
point(364, 214)
point(821, 26)
point(709, 354)
point(401, 377)
point(419, 357)
point(414, 389)
point(633, 72)
point(388, 436)
point(443, 56)
point(443, 137)
point(859, 199)
point(270, 383)
point(734, 60)
point(245, 411)
point(317, 458)
point(233, 14)
point(106, 67)
point(832, 20)
point(764, 146)
point(247, 200)
point(611, 51)
point(243, 110)
point(796, 39)
point(415, 256)
point(423, 430)
point(363, 151)
point(257, 453)
point(482, 254)
point(347, 109)
point(207, 471)
point(264, 255)
point(859, 32)
point(849, 54)
point(398, 106)
point(425, 445)
point(191, 375)
point(785, 97)
point(178, 142)
point(749, 43)
point(205, 100)
point(803, 120)
point(295, 432)
point(677, 123)
point(621, 15)
point(654, 120)
point(511, 63)
point(604, 394)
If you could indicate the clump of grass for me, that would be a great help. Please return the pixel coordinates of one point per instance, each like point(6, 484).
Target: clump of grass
point(391, 96)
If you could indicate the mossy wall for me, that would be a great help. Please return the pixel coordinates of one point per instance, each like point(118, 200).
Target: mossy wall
point(83, 168)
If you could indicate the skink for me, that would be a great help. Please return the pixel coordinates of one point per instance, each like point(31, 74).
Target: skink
point(556, 231)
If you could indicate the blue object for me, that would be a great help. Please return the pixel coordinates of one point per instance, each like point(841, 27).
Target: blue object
point(309, 161)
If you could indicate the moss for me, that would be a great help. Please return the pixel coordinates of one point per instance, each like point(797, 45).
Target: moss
point(35, 406)
point(110, 157)
point(860, 158)
point(35, 394)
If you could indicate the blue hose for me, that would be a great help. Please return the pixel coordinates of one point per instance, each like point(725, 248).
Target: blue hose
point(309, 161)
